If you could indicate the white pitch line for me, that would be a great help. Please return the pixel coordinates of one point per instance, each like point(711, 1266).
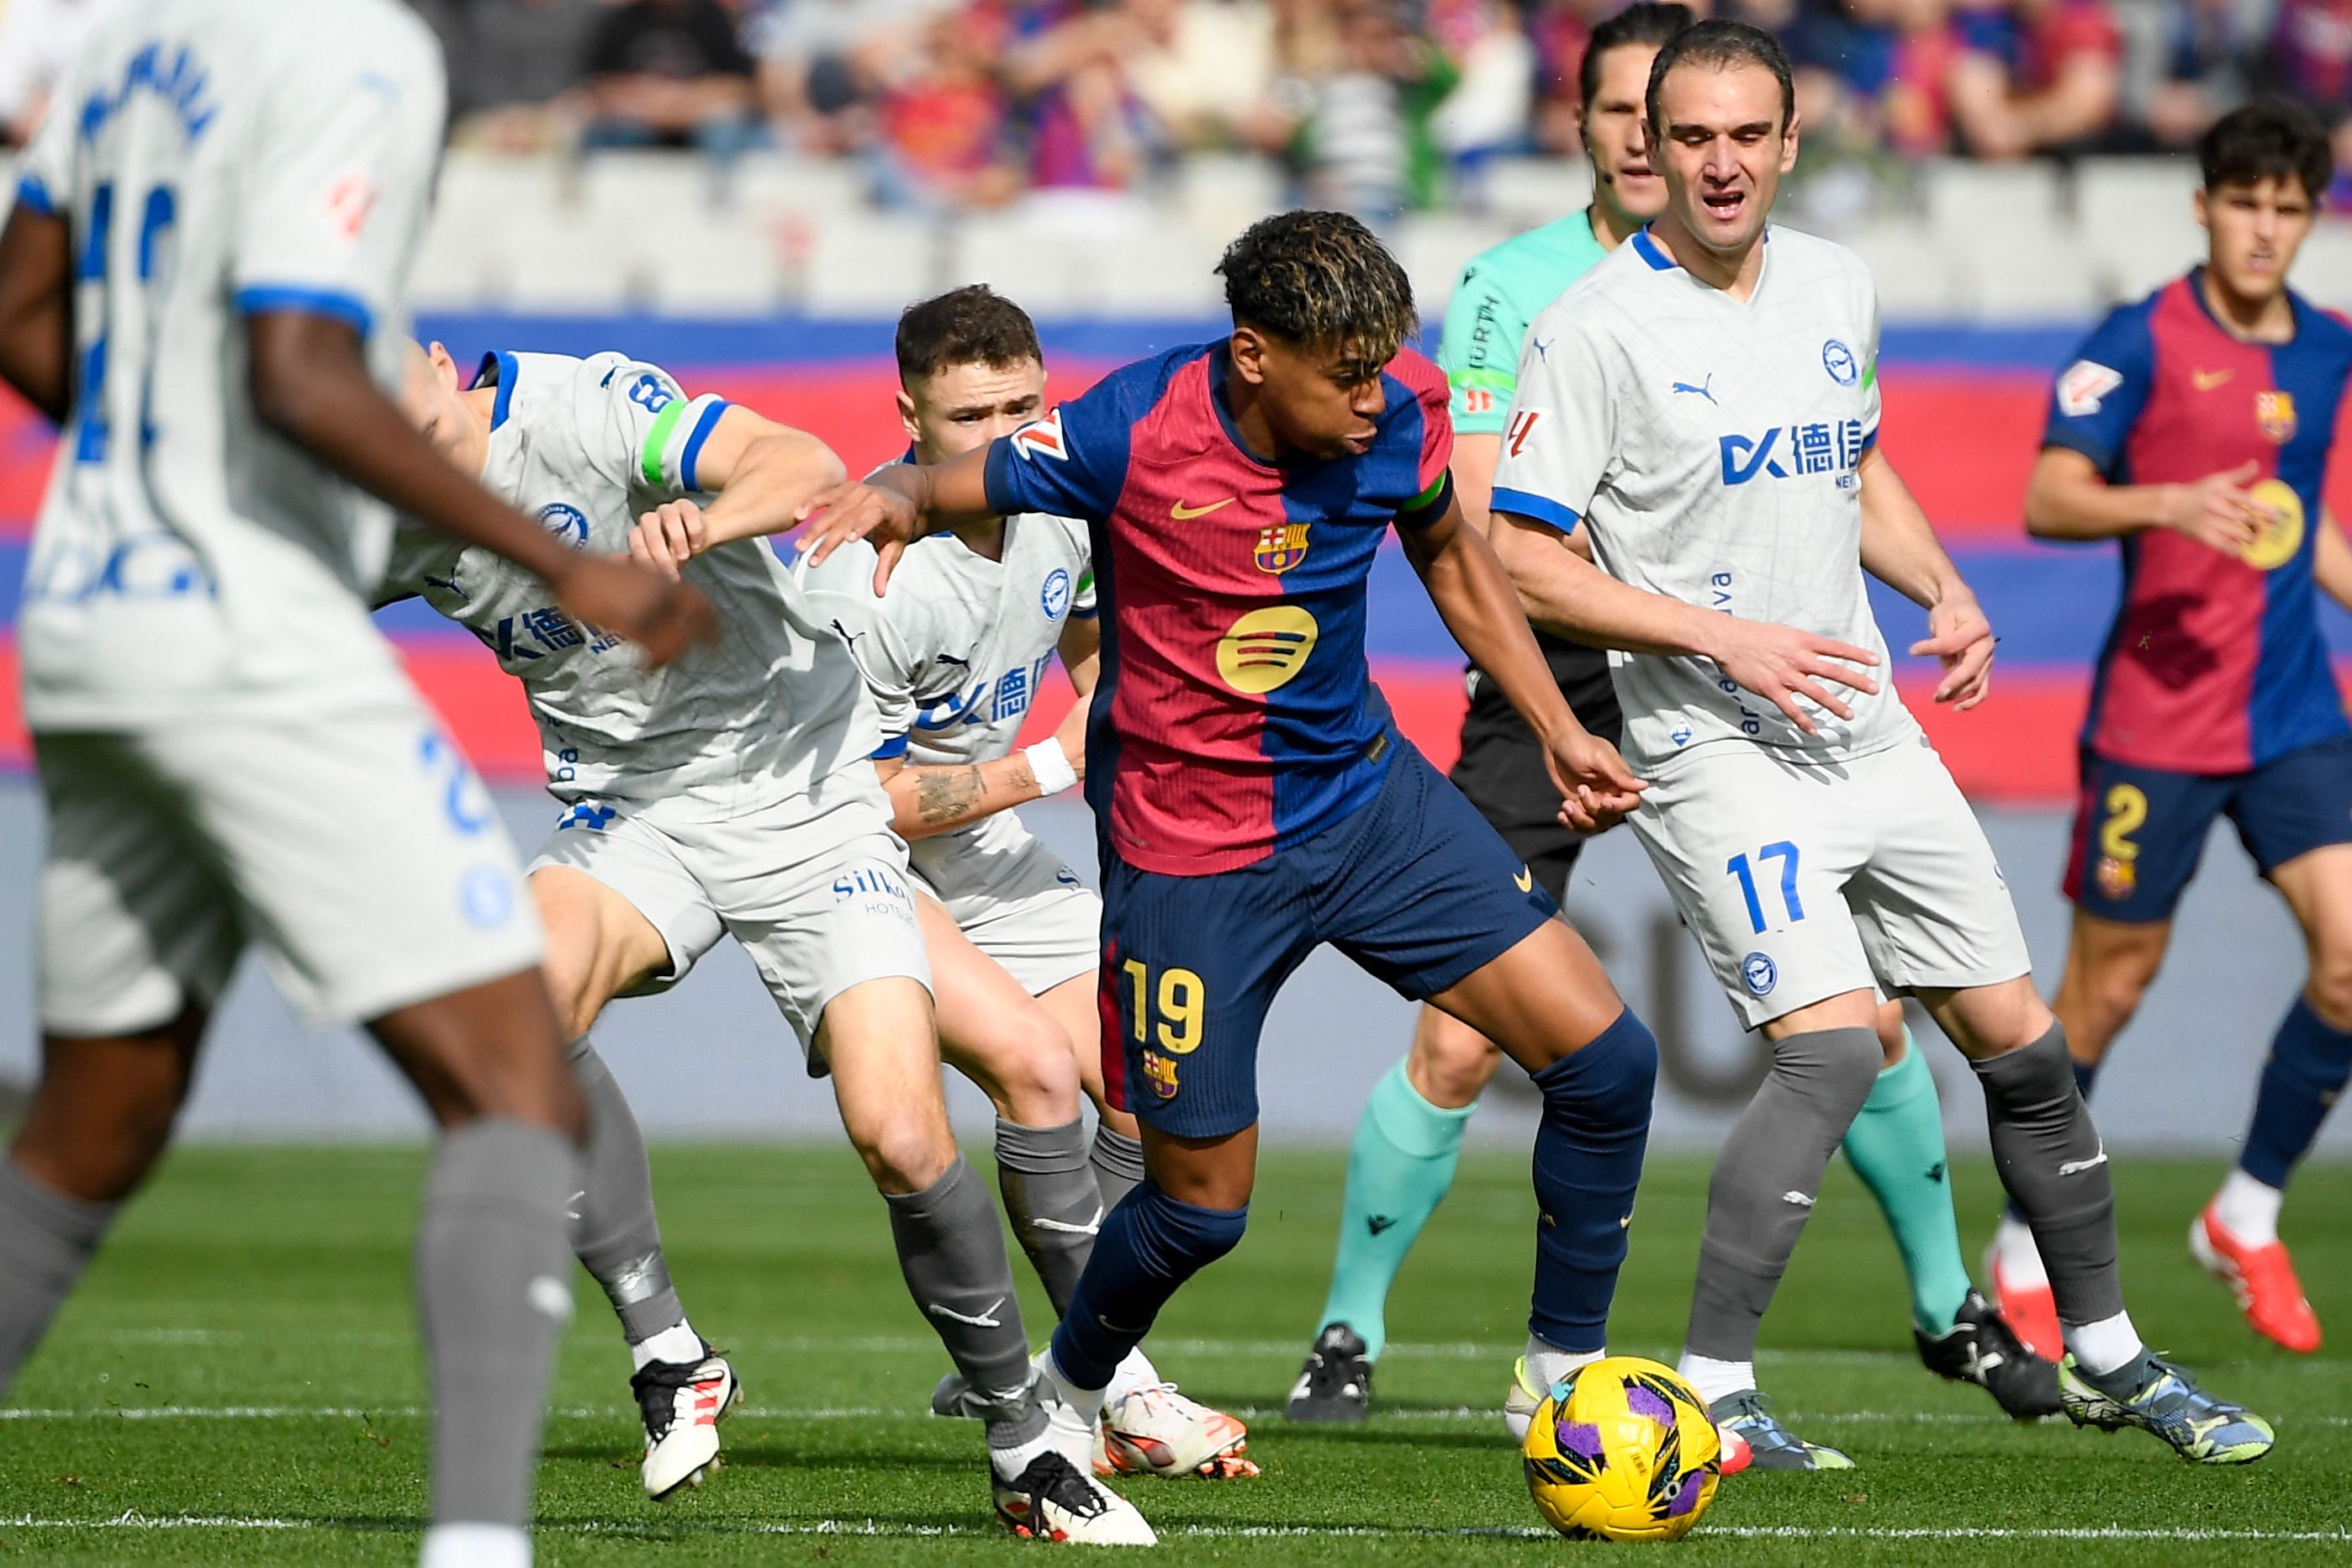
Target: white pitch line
point(1448, 1415)
point(136, 1520)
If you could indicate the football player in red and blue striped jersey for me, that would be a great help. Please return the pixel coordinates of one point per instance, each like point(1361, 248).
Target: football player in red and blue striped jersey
point(2195, 427)
point(1254, 799)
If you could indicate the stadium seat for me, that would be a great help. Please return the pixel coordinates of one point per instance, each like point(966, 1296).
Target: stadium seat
point(2039, 274)
point(1043, 268)
point(572, 263)
point(2134, 213)
point(1914, 274)
point(486, 190)
point(2323, 272)
point(866, 263)
point(1526, 192)
point(772, 185)
point(1222, 194)
point(454, 269)
point(1433, 250)
point(625, 185)
point(1966, 204)
point(1167, 272)
point(707, 265)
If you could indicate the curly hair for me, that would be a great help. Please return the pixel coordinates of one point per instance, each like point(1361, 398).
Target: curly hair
point(967, 325)
point(1322, 280)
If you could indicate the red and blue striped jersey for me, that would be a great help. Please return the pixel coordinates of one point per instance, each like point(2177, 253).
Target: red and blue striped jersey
point(1236, 714)
point(2214, 663)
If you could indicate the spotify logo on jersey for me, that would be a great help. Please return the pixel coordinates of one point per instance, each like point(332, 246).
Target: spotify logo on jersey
point(1266, 648)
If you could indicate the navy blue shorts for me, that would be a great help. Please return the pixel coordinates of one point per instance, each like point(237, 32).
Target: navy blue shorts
point(1414, 887)
point(2139, 831)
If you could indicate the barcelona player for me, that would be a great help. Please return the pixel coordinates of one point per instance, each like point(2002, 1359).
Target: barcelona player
point(2195, 427)
point(1255, 799)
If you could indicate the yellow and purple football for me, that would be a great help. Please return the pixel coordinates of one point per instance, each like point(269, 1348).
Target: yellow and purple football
point(1622, 1451)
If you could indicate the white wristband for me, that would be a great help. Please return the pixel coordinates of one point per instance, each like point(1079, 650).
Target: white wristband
point(1051, 766)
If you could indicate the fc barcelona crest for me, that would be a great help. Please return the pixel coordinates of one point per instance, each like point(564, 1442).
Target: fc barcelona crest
point(2274, 411)
point(1160, 1073)
point(1281, 547)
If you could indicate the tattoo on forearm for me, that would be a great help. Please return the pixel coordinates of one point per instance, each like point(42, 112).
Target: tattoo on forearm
point(945, 795)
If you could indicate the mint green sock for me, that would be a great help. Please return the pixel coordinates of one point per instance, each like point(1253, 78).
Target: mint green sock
point(1896, 1146)
point(1398, 1169)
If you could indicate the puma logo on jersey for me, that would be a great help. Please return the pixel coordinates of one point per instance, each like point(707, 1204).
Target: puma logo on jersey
point(1091, 1228)
point(1704, 389)
point(1376, 1223)
point(985, 1319)
point(1800, 1199)
point(2076, 1167)
point(1184, 514)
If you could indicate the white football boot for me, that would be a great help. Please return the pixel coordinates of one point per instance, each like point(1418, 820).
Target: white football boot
point(682, 1403)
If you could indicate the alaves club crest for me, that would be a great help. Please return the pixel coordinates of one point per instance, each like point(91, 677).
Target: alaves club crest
point(1281, 547)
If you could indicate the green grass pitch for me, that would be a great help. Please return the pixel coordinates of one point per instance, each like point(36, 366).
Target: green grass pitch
point(238, 1382)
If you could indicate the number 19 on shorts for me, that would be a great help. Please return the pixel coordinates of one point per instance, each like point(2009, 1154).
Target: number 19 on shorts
point(1165, 1015)
point(1740, 866)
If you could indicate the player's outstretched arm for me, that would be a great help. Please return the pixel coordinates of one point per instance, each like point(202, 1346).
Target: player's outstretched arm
point(1474, 597)
point(895, 506)
point(1899, 547)
point(1565, 594)
point(37, 310)
point(929, 799)
point(759, 474)
point(2069, 499)
point(310, 383)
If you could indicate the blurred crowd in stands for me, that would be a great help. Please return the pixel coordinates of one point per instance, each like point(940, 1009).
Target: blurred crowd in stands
point(1376, 106)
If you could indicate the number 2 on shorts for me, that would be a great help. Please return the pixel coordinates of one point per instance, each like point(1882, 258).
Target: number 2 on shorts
point(1180, 993)
point(1786, 853)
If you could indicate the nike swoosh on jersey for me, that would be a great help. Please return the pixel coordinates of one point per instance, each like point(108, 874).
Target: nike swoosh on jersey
point(2208, 380)
point(1184, 514)
point(1525, 881)
point(985, 1320)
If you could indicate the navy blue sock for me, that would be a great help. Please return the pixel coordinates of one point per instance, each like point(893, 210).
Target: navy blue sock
point(2086, 1074)
point(2310, 1063)
point(1150, 1245)
point(1596, 1123)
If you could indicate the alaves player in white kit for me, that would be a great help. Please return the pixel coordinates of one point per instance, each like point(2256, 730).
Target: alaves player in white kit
point(204, 282)
point(730, 795)
point(1703, 406)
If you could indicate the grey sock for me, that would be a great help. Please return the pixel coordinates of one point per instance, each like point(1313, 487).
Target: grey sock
point(1118, 1165)
point(1052, 1200)
point(1767, 1176)
point(951, 1251)
point(617, 1237)
point(46, 1241)
point(492, 1262)
point(2050, 1159)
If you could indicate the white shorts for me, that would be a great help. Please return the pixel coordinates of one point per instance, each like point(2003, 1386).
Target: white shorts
point(1015, 899)
point(358, 850)
point(1804, 882)
point(815, 886)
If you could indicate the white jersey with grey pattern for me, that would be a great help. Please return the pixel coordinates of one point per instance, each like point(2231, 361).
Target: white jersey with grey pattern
point(954, 652)
point(763, 712)
point(214, 159)
point(1711, 446)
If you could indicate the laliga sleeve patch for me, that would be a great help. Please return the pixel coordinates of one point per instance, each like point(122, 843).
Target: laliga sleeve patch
point(1041, 438)
point(2084, 382)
